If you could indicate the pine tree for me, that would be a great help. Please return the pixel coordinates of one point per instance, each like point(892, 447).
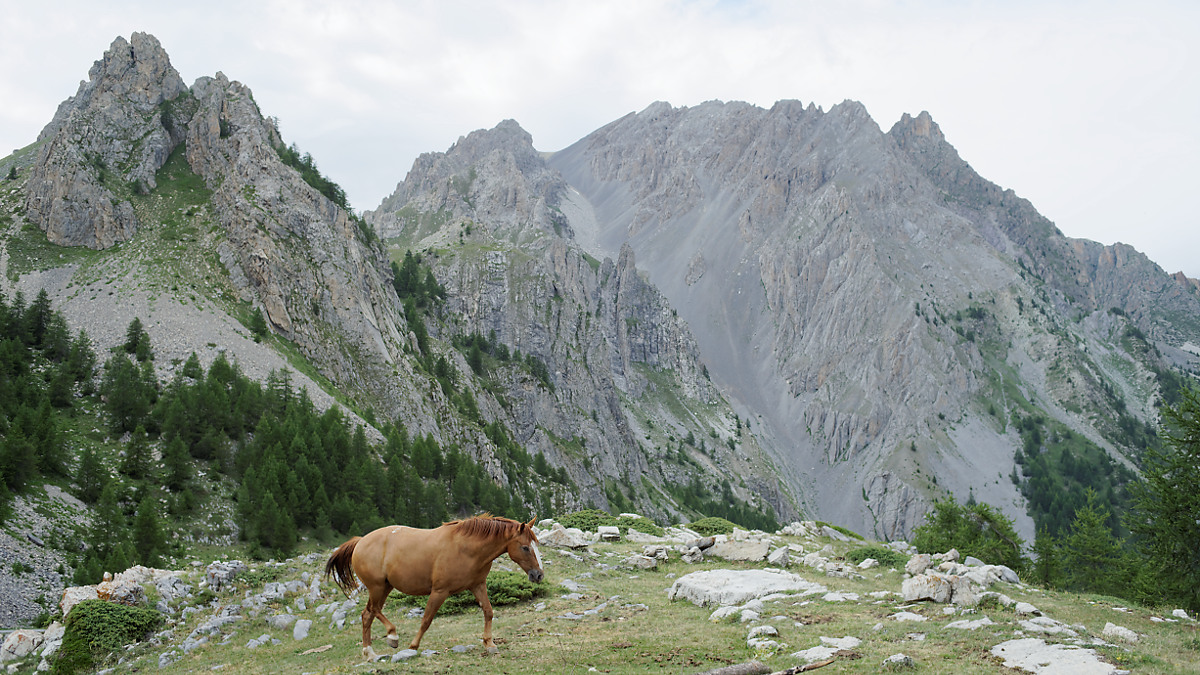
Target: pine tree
point(91, 477)
point(1165, 515)
point(133, 335)
point(108, 530)
point(149, 544)
point(138, 463)
point(258, 325)
point(192, 369)
point(1092, 557)
point(127, 399)
point(177, 464)
point(1047, 567)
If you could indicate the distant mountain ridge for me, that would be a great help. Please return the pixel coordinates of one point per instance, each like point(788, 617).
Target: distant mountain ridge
point(818, 261)
point(784, 308)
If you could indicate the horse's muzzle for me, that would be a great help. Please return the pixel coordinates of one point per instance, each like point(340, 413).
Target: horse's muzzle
point(536, 575)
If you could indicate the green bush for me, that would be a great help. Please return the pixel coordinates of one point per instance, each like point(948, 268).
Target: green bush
point(587, 520)
point(712, 525)
point(641, 524)
point(504, 588)
point(95, 629)
point(884, 556)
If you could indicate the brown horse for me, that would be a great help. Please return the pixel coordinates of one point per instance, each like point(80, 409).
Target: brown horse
point(439, 562)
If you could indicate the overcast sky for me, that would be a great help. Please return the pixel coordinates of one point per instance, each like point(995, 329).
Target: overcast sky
point(1088, 109)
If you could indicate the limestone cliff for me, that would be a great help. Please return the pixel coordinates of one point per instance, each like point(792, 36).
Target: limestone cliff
point(628, 381)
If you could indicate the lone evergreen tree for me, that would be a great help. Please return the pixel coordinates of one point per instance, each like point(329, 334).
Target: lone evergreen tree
point(258, 325)
point(1165, 516)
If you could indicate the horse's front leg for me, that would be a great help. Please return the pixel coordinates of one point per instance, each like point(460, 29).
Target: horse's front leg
point(436, 598)
point(481, 597)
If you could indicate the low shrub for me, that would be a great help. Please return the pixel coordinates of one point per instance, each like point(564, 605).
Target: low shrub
point(587, 520)
point(712, 525)
point(641, 524)
point(96, 629)
point(886, 557)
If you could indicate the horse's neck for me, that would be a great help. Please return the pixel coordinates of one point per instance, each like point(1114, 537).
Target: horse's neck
point(487, 549)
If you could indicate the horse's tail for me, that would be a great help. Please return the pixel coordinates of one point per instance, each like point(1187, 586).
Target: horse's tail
point(339, 566)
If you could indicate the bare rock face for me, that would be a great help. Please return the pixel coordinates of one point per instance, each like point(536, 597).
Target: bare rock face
point(104, 143)
point(290, 249)
point(516, 272)
point(490, 178)
point(825, 268)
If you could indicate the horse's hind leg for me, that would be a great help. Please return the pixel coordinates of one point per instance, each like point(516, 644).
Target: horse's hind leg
point(374, 609)
point(392, 638)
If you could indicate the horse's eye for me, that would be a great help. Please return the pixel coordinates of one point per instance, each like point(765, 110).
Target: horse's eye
point(525, 548)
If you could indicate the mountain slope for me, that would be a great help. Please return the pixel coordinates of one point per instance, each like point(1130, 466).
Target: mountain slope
point(628, 386)
point(822, 264)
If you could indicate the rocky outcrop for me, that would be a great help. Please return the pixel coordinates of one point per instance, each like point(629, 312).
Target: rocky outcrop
point(291, 250)
point(492, 211)
point(104, 143)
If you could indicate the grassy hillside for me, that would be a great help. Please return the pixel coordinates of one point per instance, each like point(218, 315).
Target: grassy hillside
point(615, 619)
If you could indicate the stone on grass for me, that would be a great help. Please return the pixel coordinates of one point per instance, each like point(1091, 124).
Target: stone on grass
point(971, 625)
point(561, 537)
point(1025, 609)
point(281, 621)
point(737, 550)
point(19, 644)
point(1034, 655)
point(732, 587)
point(300, 631)
point(898, 662)
point(918, 564)
point(609, 533)
point(404, 655)
point(780, 557)
point(640, 562)
point(1115, 632)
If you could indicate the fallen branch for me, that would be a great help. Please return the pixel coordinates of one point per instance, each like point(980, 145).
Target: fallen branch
point(805, 668)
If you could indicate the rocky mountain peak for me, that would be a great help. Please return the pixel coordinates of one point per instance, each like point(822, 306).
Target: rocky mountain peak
point(105, 142)
point(492, 177)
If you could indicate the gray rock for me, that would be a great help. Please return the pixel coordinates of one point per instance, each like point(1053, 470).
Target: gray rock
point(898, 662)
point(780, 557)
point(1034, 655)
point(734, 587)
point(220, 574)
point(300, 631)
point(640, 562)
point(741, 550)
point(404, 655)
point(19, 644)
point(1115, 632)
point(258, 641)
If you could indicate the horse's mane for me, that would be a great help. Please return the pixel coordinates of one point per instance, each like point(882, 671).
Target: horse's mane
point(486, 526)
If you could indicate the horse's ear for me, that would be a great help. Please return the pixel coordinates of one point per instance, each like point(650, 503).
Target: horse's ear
point(531, 521)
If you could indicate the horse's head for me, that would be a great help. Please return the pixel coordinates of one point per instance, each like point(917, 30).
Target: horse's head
point(523, 549)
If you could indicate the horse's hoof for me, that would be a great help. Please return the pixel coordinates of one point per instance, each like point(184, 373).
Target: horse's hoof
point(393, 641)
point(493, 650)
point(369, 654)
